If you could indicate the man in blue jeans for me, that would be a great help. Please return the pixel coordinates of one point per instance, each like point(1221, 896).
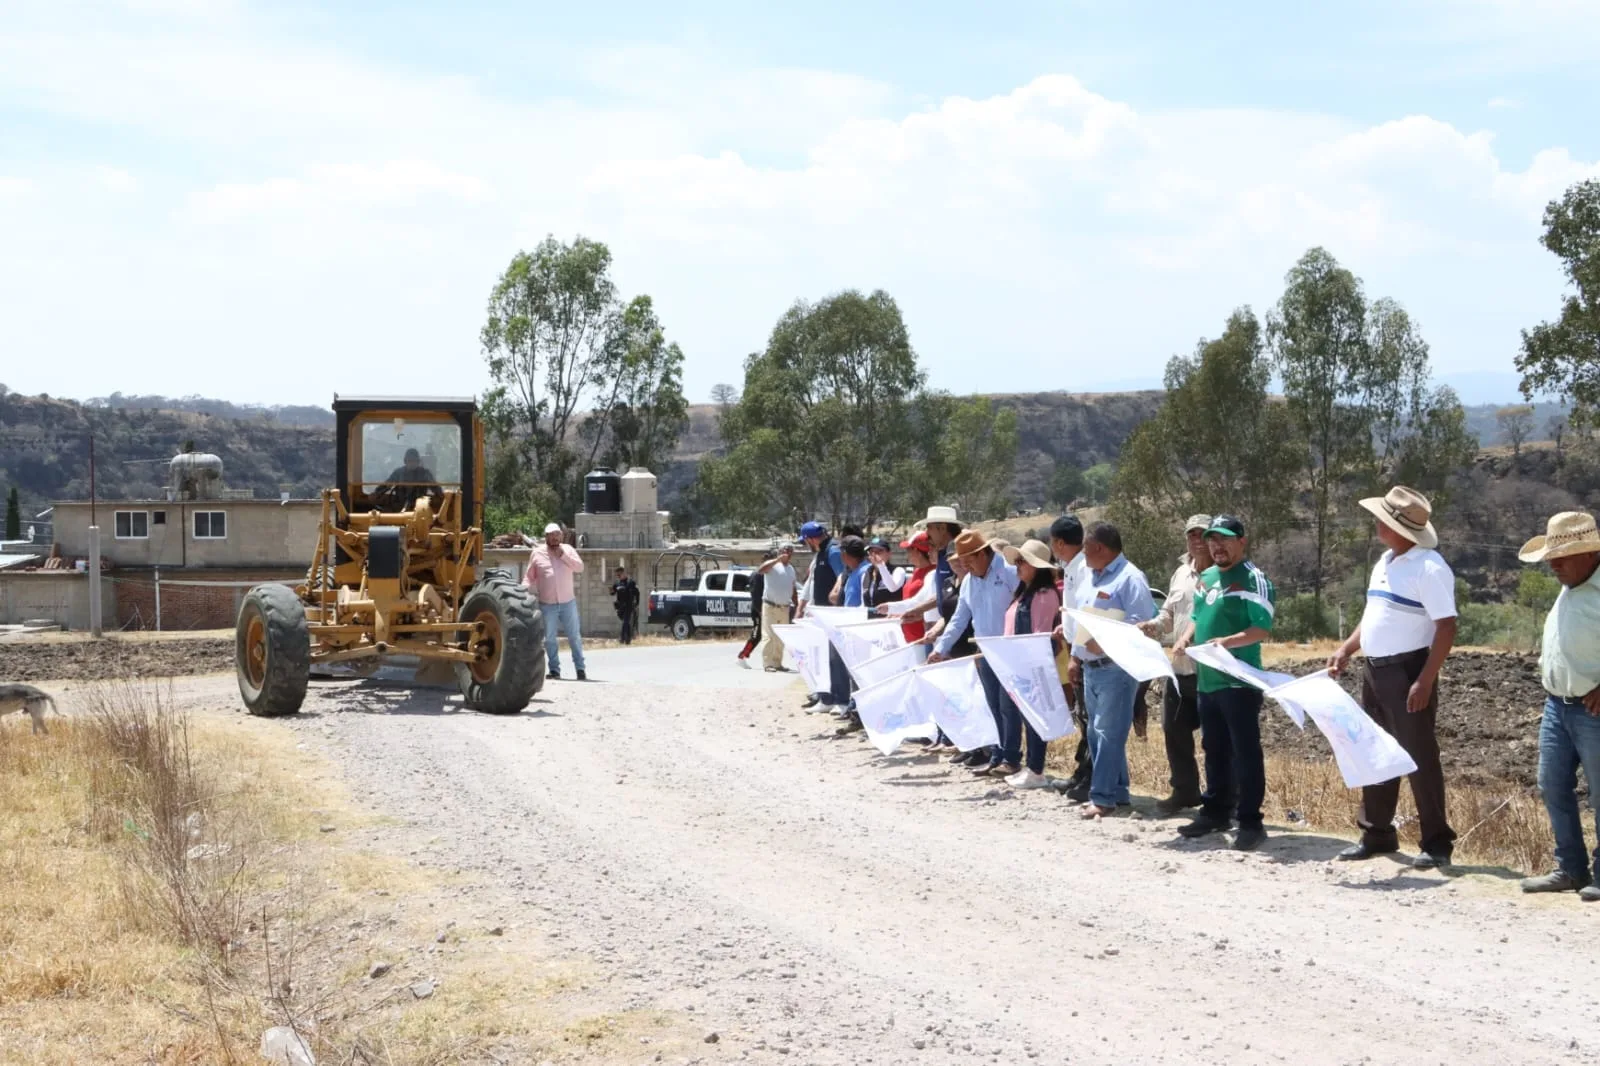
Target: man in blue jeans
point(1117, 589)
point(985, 595)
point(1569, 734)
point(551, 569)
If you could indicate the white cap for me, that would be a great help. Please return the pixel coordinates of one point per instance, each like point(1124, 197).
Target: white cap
point(553, 527)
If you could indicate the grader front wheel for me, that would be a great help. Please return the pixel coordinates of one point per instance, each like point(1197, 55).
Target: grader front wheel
point(512, 668)
point(272, 651)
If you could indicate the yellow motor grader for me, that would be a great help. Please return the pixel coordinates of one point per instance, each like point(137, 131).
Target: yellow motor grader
point(398, 569)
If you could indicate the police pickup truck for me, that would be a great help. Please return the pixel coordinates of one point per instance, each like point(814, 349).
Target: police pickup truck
point(720, 601)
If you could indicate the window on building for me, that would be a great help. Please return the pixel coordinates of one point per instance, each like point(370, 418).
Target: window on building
point(210, 525)
point(158, 518)
point(132, 525)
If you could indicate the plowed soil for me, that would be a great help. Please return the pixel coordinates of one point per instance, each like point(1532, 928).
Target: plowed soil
point(72, 660)
point(1489, 710)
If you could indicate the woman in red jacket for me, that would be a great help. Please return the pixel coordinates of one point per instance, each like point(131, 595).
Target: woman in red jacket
point(919, 549)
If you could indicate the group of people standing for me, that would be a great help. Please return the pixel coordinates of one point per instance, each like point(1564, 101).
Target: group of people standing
point(961, 584)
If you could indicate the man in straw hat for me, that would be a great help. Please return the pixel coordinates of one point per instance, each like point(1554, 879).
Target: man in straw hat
point(1180, 711)
point(1407, 629)
point(1569, 733)
point(985, 596)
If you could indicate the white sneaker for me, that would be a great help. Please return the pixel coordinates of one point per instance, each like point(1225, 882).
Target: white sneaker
point(1028, 779)
point(744, 663)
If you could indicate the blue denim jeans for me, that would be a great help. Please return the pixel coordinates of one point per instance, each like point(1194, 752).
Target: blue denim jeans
point(1569, 737)
point(563, 617)
point(1108, 693)
point(1007, 719)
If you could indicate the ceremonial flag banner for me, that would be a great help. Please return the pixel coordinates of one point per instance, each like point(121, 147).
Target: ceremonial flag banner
point(954, 696)
point(1127, 647)
point(892, 713)
point(1026, 667)
point(829, 617)
point(807, 648)
point(890, 664)
point(1365, 753)
point(1223, 661)
point(860, 642)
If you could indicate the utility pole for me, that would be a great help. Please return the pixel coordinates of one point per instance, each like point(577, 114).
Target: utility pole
point(95, 627)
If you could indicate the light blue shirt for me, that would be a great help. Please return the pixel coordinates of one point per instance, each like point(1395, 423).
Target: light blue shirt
point(983, 602)
point(1119, 589)
point(852, 585)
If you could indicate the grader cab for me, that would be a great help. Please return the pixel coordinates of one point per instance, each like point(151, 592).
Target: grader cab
point(398, 569)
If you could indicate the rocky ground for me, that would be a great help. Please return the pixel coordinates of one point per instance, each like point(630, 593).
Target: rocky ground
point(711, 851)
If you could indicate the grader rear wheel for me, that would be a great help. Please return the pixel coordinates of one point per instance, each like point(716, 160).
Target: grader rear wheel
point(272, 651)
point(504, 679)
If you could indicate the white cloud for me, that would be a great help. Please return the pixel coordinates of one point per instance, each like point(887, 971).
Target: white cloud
point(335, 205)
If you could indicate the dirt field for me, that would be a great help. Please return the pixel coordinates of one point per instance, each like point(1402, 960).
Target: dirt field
point(83, 660)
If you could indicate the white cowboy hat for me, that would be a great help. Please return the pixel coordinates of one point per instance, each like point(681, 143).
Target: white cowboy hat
point(1407, 512)
point(946, 515)
point(1568, 533)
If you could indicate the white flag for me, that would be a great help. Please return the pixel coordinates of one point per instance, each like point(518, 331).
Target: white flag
point(859, 642)
point(892, 713)
point(829, 617)
point(1365, 753)
point(807, 647)
point(1128, 648)
point(1026, 667)
point(1224, 661)
point(952, 693)
point(889, 664)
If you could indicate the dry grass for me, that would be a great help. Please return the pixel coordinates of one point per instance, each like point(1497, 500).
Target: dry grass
point(1505, 828)
point(169, 896)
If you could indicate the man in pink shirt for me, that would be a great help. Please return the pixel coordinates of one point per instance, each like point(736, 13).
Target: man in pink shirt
point(550, 569)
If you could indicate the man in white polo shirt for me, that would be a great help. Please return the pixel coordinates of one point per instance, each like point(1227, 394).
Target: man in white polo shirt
point(1406, 631)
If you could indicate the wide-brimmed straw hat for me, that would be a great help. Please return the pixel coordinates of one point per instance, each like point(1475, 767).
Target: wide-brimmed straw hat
point(945, 515)
point(969, 543)
point(1407, 512)
point(1033, 552)
point(1568, 533)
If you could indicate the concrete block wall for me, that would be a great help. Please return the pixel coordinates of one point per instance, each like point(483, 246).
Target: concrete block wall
point(61, 597)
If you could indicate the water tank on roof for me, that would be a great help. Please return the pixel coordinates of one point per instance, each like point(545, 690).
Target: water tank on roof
point(195, 476)
point(602, 492)
point(639, 491)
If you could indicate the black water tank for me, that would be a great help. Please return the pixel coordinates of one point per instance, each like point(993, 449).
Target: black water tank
point(602, 492)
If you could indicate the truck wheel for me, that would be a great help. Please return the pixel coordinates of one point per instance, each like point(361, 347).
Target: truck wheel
point(682, 627)
point(272, 651)
point(513, 670)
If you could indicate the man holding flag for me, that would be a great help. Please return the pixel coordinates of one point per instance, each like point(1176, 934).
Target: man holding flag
point(1233, 609)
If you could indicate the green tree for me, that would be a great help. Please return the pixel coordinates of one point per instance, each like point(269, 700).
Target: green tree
point(557, 337)
point(824, 418)
point(1319, 339)
point(1437, 445)
point(1515, 423)
point(1067, 484)
point(13, 515)
point(644, 411)
point(1563, 357)
point(1219, 443)
point(1097, 482)
point(969, 464)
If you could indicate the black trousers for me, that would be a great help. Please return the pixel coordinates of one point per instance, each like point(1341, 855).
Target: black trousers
point(1383, 695)
point(1180, 717)
point(627, 626)
point(1082, 761)
point(1236, 768)
point(755, 633)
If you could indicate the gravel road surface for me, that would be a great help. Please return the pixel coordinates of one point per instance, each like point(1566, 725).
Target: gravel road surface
point(714, 851)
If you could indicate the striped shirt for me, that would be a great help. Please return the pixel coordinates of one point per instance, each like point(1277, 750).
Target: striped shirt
point(1228, 602)
point(1407, 595)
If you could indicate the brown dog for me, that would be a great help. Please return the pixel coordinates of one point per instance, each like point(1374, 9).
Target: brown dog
point(20, 697)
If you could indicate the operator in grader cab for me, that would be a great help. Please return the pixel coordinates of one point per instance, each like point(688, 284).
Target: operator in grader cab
point(411, 473)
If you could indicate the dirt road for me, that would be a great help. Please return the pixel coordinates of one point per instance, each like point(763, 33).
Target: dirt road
point(715, 852)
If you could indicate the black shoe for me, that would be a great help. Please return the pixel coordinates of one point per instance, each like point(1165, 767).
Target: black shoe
point(582, 676)
point(851, 726)
point(1363, 850)
point(975, 757)
point(1204, 825)
point(1175, 803)
point(1078, 793)
point(1249, 839)
point(1431, 861)
point(811, 701)
point(553, 675)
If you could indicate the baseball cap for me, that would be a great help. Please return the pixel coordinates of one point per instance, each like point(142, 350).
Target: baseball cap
point(1198, 521)
point(811, 529)
point(1225, 525)
point(553, 527)
point(918, 541)
point(880, 542)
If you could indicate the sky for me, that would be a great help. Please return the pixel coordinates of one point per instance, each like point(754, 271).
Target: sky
point(274, 202)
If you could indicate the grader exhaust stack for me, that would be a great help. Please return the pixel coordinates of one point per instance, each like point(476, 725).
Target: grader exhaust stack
point(398, 569)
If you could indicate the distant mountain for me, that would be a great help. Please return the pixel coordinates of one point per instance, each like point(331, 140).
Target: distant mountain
point(292, 415)
point(1482, 420)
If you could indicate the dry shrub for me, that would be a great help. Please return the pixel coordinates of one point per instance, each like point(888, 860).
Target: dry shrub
point(1505, 827)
